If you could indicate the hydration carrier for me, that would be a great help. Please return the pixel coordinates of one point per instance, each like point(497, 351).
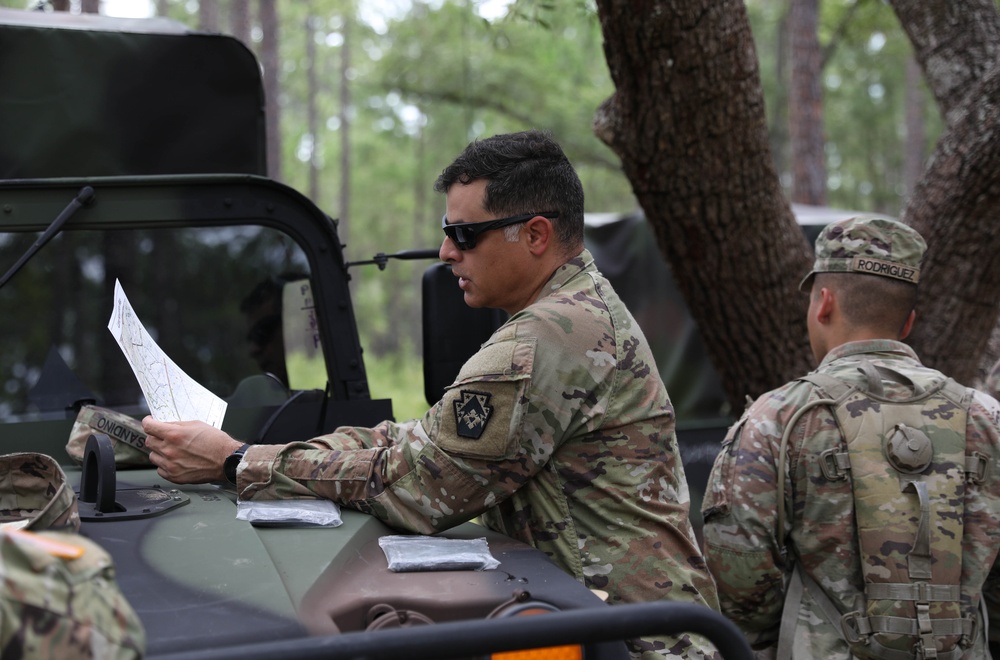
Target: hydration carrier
point(907, 463)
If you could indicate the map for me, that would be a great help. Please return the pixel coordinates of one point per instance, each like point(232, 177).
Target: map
point(171, 394)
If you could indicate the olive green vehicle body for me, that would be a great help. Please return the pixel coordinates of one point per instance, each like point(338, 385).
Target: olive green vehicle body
point(164, 127)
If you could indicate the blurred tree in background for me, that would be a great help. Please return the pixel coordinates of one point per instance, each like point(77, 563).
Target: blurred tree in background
point(367, 101)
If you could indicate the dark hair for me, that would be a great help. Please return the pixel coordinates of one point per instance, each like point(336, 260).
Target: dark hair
point(527, 172)
point(871, 301)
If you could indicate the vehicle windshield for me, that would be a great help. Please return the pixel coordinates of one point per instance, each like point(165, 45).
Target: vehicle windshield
point(217, 300)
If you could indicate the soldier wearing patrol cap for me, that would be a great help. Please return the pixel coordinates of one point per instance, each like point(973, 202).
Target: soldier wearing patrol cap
point(854, 510)
point(558, 432)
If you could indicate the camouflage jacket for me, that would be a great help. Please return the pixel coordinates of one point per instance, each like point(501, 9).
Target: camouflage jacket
point(59, 599)
point(740, 506)
point(58, 594)
point(558, 432)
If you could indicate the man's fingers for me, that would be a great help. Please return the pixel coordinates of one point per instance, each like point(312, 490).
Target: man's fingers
point(153, 427)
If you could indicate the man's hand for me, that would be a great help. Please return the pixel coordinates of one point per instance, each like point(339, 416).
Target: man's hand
point(187, 452)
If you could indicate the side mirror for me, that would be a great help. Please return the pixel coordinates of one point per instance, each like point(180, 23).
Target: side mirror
point(452, 330)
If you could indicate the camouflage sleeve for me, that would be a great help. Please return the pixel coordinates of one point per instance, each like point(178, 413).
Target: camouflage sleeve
point(740, 511)
point(740, 549)
point(59, 599)
point(983, 438)
point(468, 453)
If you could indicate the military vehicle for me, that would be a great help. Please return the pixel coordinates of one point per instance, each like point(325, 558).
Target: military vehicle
point(133, 151)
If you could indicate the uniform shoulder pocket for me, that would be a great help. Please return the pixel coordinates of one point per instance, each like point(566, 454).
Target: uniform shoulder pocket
point(481, 413)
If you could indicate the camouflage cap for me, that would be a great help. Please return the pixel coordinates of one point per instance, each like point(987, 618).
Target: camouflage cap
point(868, 245)
point(127, 436)
point(34, 494)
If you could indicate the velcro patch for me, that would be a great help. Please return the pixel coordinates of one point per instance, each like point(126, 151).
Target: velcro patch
point(472, 413)
point(863, 264)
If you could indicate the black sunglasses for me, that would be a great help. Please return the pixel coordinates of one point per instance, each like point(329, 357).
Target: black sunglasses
point(463, 234)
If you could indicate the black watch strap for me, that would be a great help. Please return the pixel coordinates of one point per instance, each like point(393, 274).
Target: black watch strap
point(232, 462)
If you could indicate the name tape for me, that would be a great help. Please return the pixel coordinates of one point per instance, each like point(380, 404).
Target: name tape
point(862, 264)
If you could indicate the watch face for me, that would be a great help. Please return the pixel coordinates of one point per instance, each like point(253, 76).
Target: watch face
point(232, 462)
point(229, 468)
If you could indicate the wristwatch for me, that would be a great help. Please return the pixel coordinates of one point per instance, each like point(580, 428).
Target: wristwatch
point(232, 462)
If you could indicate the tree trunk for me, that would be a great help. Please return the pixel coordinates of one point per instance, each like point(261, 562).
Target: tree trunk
point(779, 122)
point(239, 21)
point(312, 113)
point(345, 124)
point(272, 86)
point(208, 15)
point(806, 112)
point(687, 120)
point(957, 45)
point(954, 42)
point(916, 133)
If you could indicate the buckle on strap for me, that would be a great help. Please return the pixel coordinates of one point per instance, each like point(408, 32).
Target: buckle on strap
point(834, 464)
point(977, 467)
point(969, 638)
point(926, 647)
point(855, 627)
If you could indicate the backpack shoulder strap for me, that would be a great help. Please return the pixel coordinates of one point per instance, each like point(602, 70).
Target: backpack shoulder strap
point(832, 391)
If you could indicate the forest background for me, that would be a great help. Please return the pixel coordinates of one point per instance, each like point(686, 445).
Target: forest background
point(368, 100)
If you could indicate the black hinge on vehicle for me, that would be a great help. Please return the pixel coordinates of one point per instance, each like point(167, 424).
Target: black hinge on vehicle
point(99, 499)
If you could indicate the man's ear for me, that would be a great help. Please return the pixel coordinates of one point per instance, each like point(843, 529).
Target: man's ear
point(905, 332)
point(826, 305)
point(539, 232)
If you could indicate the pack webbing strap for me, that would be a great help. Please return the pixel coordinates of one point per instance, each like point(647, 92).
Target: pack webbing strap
point(919, 591)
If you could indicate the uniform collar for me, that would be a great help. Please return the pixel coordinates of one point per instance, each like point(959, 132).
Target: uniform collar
point(851, 348)
point(570, 269)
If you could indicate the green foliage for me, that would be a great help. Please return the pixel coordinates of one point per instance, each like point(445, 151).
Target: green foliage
point(427, 76)
point(864, 97)
point(399, 377)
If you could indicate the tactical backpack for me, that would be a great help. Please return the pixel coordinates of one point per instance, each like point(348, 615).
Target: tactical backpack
point(908, 468)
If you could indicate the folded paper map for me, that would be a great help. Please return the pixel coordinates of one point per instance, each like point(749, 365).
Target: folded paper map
point(171, 394)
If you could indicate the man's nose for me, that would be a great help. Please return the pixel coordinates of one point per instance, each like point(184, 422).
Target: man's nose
point(448, 252)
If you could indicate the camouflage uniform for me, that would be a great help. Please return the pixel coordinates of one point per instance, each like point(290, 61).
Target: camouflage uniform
point(749, 562)
point(992, 384)
point(559, 432)
point(58, 596)
point(124, 431)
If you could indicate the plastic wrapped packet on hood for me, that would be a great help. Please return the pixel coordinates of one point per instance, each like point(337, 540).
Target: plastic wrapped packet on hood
point(321, 513)
point(432, 553)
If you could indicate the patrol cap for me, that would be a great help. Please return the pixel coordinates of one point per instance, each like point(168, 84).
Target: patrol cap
point(868, 245)
point(35, 495)
point(127, 436)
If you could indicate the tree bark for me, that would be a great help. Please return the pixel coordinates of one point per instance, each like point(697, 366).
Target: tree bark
point(312, 112)
point(687, 120)
point(345, 123)
point(239, 21)
point(916, 133)
point(272, 85)
point(779, 123)
point(806, 111)
point(208, 15)
point(957, 45)
point(954, 42)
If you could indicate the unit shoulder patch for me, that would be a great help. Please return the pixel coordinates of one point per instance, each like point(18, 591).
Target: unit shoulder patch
point(472, 413)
